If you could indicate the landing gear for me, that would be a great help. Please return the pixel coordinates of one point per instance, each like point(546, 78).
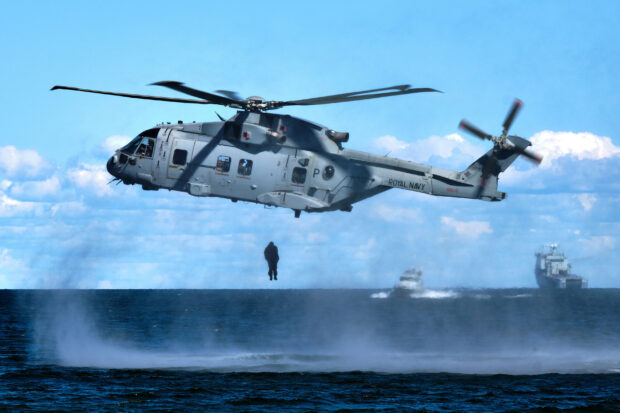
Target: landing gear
point(297, 213)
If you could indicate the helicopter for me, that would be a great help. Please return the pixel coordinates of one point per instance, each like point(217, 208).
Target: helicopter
point(279, 160)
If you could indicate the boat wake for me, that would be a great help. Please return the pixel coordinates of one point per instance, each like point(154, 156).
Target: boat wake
point(435, 294)
point(411, 285)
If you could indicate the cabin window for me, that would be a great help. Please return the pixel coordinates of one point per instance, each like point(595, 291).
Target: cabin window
point(179, 157)
point(245, 167)
point(146, 148)
point(328, 172)
point(223, 163)
point(299, 175)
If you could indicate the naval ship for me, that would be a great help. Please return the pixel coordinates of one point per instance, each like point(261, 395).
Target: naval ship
point(554, 271)
point(410, 282)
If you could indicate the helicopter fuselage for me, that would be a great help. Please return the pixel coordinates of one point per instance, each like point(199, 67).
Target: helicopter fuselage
point(283, 161)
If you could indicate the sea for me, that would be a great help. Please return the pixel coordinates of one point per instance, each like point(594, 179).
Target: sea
point(507, 350)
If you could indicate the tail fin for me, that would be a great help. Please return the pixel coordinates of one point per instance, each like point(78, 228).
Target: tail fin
point(484, 172)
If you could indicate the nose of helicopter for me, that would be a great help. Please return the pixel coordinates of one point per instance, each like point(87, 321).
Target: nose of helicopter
point(110, 167)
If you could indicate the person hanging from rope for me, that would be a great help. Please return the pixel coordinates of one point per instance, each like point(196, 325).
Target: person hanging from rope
point(271, 255)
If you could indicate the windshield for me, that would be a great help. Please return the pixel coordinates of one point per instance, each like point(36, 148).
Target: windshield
point(130, 148)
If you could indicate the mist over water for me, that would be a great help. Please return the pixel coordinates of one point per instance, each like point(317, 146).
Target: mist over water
point(479, 332)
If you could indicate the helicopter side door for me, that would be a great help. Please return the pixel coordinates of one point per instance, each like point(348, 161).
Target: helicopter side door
point(222, 178)
point(143, 160)
point(181, 152)
point(161, 151)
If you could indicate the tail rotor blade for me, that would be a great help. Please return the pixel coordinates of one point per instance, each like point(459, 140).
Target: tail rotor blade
point(480, 188)
point(516, 106)
point(487, 169)
point(532, 156)
point(474, 130)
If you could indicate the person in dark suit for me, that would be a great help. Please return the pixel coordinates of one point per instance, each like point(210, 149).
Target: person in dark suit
point(271, 255)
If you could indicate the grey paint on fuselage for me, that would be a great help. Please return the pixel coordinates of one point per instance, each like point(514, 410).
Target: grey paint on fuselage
point(294, 164)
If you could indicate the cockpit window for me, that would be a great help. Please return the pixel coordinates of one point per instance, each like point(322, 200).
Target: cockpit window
point(130, 148)
point(151, 133)
point(146, 148)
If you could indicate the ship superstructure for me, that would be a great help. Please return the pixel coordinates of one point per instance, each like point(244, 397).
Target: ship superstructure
point(553, 270)
point(410, 282)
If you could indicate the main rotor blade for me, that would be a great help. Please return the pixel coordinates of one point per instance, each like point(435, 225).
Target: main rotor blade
point(352, 96)
point(474, 130)
point(130, 95)
point(516, 106)
point(229, 94)
point(180, 87)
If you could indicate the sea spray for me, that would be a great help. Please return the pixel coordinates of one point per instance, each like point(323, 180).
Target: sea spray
point(324, 331)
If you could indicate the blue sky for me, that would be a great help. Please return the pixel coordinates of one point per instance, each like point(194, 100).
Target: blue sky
point(63, 226)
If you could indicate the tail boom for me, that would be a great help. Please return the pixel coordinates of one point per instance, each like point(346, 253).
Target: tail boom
point(478, 181)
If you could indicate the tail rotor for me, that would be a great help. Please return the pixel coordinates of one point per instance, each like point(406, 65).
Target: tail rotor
point(500, 143)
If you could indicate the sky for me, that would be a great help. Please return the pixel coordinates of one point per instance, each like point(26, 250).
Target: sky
point(63, 226)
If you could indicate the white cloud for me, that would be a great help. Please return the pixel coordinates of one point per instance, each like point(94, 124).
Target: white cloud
point(467, 229)
point(12, 271)
point(104, 285)
point(70, 209)
point(583, 145)
point(10, 207)
point(92, 178)
point(366, 251)
point(573, 162)
point(390, 143)
point(317, 238)
point(586, 200)
point(16, 163)
point(450, 147)
point(597, 243)
point(7, 262)
point(112, 143)
point(36, 189)
point(395, 214)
